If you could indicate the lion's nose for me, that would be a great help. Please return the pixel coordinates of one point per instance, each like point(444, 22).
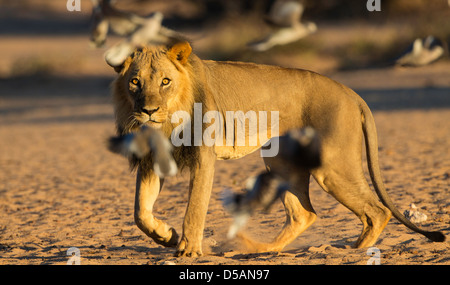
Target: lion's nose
point(149, 111)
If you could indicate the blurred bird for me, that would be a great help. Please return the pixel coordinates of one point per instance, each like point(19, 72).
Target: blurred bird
point(261, 191)
point(422, 52)
point(123, 23)
point(285, 13)
point(299, 148)
point(147, 140)
point(137, 29)
point(285, 17)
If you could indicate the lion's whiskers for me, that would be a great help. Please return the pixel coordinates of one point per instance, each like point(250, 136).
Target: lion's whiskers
point(132, 123)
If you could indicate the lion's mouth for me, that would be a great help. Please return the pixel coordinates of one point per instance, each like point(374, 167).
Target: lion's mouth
point(154, 121)
point(153, 124)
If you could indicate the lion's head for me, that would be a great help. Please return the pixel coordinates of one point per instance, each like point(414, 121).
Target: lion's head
point(153, 83)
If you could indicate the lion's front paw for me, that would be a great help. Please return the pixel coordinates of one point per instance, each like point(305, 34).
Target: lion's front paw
point(188, 249)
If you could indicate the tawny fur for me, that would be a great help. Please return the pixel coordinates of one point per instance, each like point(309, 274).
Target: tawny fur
point(302, 98)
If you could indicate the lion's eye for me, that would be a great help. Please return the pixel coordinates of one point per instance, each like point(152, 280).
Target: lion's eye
point(134, 81)
point(165, 81)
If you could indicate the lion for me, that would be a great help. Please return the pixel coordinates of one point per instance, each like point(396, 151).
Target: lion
point(154, 82)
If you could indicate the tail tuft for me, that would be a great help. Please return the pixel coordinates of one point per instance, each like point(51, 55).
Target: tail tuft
point(435, 236)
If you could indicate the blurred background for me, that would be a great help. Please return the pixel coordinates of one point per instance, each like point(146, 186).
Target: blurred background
point(41, 36)
point(45, 50)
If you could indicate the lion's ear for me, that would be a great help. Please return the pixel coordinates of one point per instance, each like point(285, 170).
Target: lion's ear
point(119, 56)
point(122, 67)
point(180, 51)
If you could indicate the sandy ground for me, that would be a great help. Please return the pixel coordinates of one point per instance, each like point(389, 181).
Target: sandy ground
point(61, 188)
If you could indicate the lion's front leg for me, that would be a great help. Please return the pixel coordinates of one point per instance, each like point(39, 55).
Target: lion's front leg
point(200, 186)
point(147, 190)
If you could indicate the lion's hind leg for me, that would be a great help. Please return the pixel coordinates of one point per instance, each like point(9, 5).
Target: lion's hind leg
point(352, 190)
point(299, 216)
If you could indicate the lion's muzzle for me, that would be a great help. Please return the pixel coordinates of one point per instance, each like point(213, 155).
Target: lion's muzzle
point(149, 110)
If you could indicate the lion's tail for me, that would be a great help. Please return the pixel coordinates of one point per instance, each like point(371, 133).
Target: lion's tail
point(370, 135)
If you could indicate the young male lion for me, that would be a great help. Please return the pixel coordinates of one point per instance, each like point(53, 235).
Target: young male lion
point(155, 82)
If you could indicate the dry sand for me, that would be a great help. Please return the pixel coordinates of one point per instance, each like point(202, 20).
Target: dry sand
point(61, 188)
